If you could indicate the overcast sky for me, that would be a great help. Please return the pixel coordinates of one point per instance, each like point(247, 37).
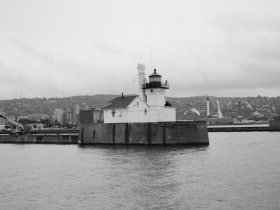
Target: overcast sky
point(56, 48)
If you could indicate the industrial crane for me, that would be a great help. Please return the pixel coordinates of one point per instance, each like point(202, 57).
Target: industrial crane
point(8, 121)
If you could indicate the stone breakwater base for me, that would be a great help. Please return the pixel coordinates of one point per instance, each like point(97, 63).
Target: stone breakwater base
point(40, 139)
point(163, 133)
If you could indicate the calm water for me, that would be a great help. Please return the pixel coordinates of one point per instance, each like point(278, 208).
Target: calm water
point(236, 171)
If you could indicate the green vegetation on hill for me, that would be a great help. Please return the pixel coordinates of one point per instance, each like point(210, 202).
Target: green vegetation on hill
point(24, 106)
point(248, 107)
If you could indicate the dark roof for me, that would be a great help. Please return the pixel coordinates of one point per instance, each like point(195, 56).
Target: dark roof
point(155, 74)
point(167, 104)
point(120, 102)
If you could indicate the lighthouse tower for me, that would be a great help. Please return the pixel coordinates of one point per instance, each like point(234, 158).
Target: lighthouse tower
point(155, 90)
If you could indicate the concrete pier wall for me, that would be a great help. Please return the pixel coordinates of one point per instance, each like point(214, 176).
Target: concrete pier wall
point(40, 139)
point(163, 133)
point(274, 125)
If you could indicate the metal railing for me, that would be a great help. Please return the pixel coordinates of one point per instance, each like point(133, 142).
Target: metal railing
point(156, 85)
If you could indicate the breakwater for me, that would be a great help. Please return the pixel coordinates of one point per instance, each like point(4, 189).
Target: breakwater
point(242, 128)
point(130, 134)
point(162, 133)
point(61, 138)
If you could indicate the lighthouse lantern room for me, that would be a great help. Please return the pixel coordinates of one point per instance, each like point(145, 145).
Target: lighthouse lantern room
point(155, 90)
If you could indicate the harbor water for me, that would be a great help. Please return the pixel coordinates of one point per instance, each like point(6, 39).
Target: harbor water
point(237, 170)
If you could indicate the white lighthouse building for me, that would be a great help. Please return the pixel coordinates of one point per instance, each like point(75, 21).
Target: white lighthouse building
point(149, 106)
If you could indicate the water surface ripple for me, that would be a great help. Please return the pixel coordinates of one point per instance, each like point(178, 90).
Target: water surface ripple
point(236, 171)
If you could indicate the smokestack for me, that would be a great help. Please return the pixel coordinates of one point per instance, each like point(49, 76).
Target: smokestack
point(208, 107)
point(141, 80)
point(220, 114)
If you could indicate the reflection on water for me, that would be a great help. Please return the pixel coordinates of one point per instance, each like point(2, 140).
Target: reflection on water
point(145, 177)
point(236, 171)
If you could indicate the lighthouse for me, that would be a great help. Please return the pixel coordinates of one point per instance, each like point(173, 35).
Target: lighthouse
point(149, 105)
point(143, 119)
point(155, 90)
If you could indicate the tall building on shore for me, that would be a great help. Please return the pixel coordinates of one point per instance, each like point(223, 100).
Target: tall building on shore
point(58, 115)
point(67, 116)
point(75, 113)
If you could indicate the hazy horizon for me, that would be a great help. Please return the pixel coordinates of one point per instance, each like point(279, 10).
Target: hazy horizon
point(65, 48)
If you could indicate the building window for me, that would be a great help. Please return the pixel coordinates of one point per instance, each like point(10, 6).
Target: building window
point(113, 113)
point(152, 91)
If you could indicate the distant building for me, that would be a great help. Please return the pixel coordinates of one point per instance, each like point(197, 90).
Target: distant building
point(64, 117)
point(274, 123)
point(2, 121)
point(75, 113)
point(58, 115)
point(38, 116)
point(67, 116)
point(91, 116)
point(23, 117)
point(35, 126)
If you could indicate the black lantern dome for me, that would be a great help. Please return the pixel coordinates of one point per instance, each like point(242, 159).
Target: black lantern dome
point(155, 82)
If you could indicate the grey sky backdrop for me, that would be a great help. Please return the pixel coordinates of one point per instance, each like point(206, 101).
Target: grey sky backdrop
point(56, 48)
